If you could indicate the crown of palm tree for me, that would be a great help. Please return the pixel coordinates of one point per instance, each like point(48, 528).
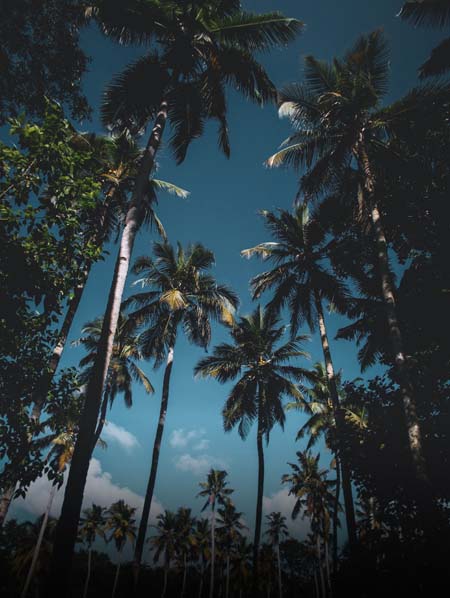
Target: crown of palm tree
point(215, 488)
point(121, 524)
point(299, 254)
point(92, 524)
point(182, 292)
point(194, 50)
point(229, 523)
point(276, 527)
point(264, 369)
point(166, 540)
point(123, 368)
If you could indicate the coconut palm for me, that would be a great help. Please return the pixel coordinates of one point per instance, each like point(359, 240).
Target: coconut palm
point(202, 548)
point(92, 524)
point(121, 524)
point(265, 377)
point(229, 528)
point(199, 49)
point(314, 498)
point(216, 491)
point(165, 542)
point(301, 282)
point(431, 13)
point(181, 295)
point(185, 540)
point(241, 562)
point(123, 367)
point(276, 530)
point(339, 121)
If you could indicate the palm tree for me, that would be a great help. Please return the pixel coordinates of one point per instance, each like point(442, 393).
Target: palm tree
point(61, 453)
point(322, 422)
point(314, 497)
point(301, 283)
point(91, 526)
point(202, 545)
point(165, 542)
point(432, 13)
point(122, 526)
point(203, 47)
point(339, 121)
point(276, 530)
point(242, 564)
point(181, 295)
point(216, 491)
point(185, 540)
point(265, 377)
point(229, 527)
point(123, 367)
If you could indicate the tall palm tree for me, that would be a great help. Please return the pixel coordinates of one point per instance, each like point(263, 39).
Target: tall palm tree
point(92, 524)
point(216, 491)
point(431, 13)
point(322, 423)
point(229, 527)
point(265, 377)
point(165, 542)
point(65, 534)
point(338, 121)
point(202, 548)
point(314, 496)
point(301, 282)
point(123, 367)
point(242, 564)
point(181, 295)
point(276, 530)
point(185, 541)
point(198, 50)
point(122, 526)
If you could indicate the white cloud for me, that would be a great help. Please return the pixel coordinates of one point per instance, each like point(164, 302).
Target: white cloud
point(198, 464)
point(113, 432)
point(100, 489)
point(284, 503)
point(181, 438)
point(202, 445)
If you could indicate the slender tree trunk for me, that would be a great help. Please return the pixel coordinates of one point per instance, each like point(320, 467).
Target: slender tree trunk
point(316, 584)
point(280, 587)
point(259, 500)
point(202, 573)
point(66, 531)
point(5, 503)
point(327, 566)
point(101, 420)
point(88, 575)
point(116, 579)
point(37, 548)
point(319, 561)
point(395, 336)
point(153, 470)
point(166, 570)
point(227, 586)
point(213, 549)
point(339, 418)
point(183, 587)
point(336, 513)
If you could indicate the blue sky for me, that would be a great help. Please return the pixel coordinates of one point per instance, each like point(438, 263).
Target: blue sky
point(221, 212)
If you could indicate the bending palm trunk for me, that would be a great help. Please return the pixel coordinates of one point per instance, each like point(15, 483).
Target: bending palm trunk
point(395, 336)
point(346, 480)
point(154, 468)
point(66, 531)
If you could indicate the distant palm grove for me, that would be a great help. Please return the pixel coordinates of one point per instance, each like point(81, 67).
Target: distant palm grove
point(362, 255)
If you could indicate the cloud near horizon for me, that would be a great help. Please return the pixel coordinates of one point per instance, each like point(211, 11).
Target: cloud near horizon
point(119, 435)
point(100, 489)
point(198, 464)
point(284, 503)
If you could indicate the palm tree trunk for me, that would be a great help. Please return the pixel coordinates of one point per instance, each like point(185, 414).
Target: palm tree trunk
point(101, 420)
point(316, 584)
point(395, 336)
point(154, 468)
point(259, 500)
point(327, 565)
point(116, 579)
point(213, 550)
point(37, 548)
point(183, 588)
point(280, 587)
point(5, 503)
point(200, 589)
point(88, 575)
point(227, 586)
point(166, 570)
point(336, 513)
point(66, 530)
point(339, 418)
point(319, 561)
